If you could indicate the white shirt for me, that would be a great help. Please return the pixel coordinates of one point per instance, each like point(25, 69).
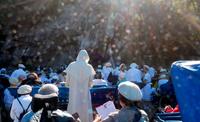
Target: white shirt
point(17, 109)
point(99, 82)
point(116, 71)
point(152, 72)
point(134, 74)
point(106, 71)
point(161, 82)
point(147, 77)
point(8, 99)
point(147, 90)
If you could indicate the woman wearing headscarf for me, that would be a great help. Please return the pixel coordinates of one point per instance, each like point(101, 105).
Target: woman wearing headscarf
point(79, 78)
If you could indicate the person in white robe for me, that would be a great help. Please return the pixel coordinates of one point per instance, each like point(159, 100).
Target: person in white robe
point(134, 74)
point(79, 78)
point(152, 72)
point(107, 69)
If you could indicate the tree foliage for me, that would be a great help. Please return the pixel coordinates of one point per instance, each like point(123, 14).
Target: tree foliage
point(51, 32)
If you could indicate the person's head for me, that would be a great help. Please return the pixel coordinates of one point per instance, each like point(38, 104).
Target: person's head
point(129, 94)
point(122, 67)
point(83, 56)
point(21, 66)
point(32, 79)
point(163, 76)
point(99, 68)
point(108, 65)
point(133, 65)
point(24, 90)
point(163, 71)
point(145, 68)
point(33, 76)
point(48, 89)
point(45, 94)
point(98, 75)
point(55, 79)
point(21, 78)
point(47, 97)
point(13, 81)
point(3, 71)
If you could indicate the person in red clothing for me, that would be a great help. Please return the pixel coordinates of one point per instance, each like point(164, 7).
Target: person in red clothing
point(169, 109)
point(176, 109)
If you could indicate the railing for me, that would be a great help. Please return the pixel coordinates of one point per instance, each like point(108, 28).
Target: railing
point(162, 117)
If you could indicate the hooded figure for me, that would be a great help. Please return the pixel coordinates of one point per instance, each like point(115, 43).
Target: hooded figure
point(134, 74)
point(79, 78)
point(19, 73)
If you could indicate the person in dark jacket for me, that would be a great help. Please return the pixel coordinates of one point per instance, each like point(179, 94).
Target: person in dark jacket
point(129, 97)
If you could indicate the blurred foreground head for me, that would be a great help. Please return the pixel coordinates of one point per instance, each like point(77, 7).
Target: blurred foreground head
point(129, 93)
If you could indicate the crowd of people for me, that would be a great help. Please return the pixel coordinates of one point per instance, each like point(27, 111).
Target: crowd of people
point(139, 87)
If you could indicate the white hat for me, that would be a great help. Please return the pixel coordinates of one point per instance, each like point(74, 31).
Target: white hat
point(55, 77)
point(21, 66)
point(48, 89)
point(130, 91)
point(99, 66)
point(162, 76)
point(13, 81)
point(146, 66)
point(108, 64)
point(163, 70)
point(24, 89)
point(2, 70)
point(134, 65)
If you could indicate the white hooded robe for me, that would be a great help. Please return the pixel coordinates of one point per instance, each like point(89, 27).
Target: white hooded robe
point(79, 77)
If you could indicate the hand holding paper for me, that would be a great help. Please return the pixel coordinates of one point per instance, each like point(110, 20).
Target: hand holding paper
point(105, 109)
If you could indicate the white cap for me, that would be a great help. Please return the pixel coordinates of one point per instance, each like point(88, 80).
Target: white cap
point(146, 66)
point(108, 64)
point(21, 66)
point(130, 91)
point(24, 89)
point(48, 89)
point(163, 70)
point(134, 65)
point(99, 66)
point(13, 81)
point(55, 77)
point(2, 70)
point(162, 76)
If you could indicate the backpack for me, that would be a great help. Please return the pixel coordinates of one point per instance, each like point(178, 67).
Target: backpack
point(24, 110)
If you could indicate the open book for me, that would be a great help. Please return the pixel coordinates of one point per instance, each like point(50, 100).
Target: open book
point(105, 109)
